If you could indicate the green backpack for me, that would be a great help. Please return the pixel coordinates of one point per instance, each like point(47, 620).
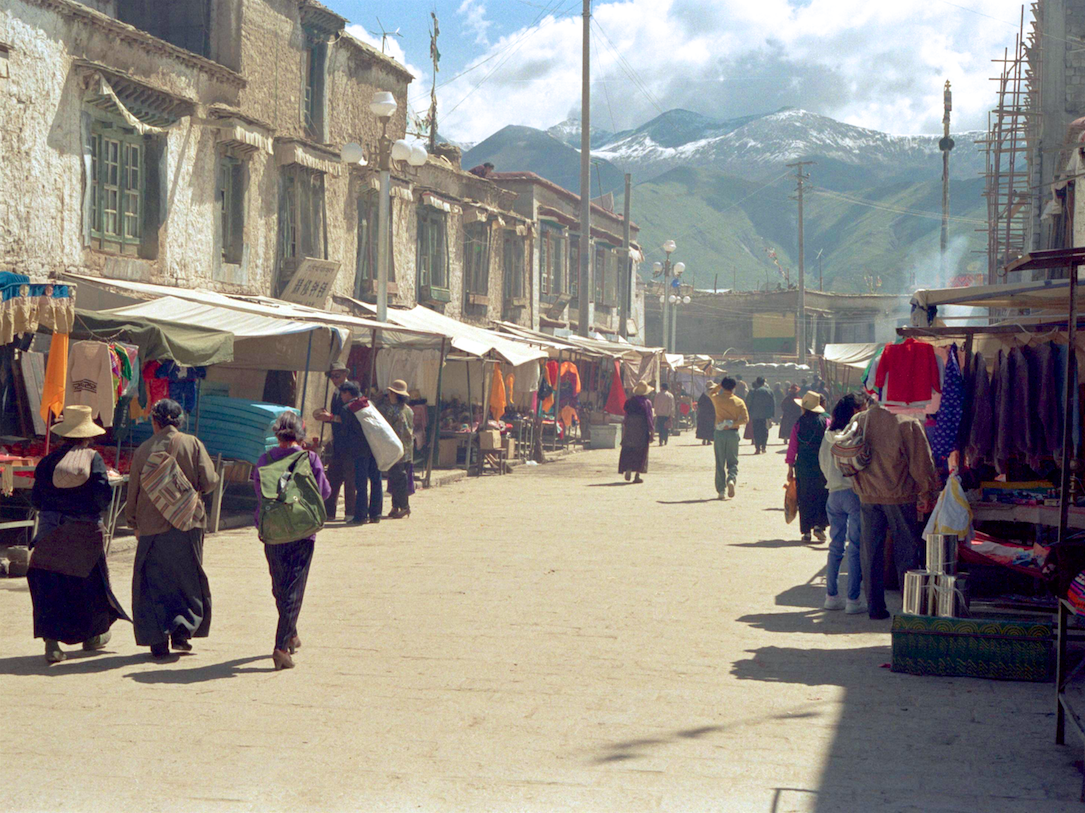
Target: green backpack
point(291, 507)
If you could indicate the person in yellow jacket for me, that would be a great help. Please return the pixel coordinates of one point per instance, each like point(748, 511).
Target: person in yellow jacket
point(731, 416)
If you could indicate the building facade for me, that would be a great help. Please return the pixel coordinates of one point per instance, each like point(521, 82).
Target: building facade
point(197, 143)
point(555, 259)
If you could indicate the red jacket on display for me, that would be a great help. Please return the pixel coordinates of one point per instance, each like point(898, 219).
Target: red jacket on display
point(912, 372)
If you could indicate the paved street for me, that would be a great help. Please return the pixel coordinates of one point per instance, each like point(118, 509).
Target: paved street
point(550, 640)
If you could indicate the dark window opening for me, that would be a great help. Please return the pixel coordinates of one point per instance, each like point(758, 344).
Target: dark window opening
point(301, 214)
point(184, 23)
point(316, 53)
point(231, 207)
point(476, 258)
point(432, 255)
point(366, 262)
point(513, 257)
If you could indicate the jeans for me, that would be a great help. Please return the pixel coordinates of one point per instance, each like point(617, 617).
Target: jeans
point(844, 527)
point(901, 521)
point(366, 474)
point(726, 448)
point(663, 423)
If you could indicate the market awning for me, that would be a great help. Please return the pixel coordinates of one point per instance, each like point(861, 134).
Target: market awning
point(123, 292)
point(1046, 295)
point(851, 355)
point(474, 341)
point(260, 342)
point(157, 339)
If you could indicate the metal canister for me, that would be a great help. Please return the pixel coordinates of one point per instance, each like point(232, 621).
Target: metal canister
point(946, 603)
point(916, 592)
point(942, 554)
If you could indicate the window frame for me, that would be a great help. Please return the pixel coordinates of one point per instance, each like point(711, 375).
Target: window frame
point(476, 258)
point(230, 191)
point(313, 85)
point(365, 260)
point(303, 202)
point(432, 229)
point(513, 251)
point(118, 180)
point(554, 241)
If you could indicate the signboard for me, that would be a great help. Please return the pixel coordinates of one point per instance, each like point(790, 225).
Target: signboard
point(312, 283)
point(773, 332)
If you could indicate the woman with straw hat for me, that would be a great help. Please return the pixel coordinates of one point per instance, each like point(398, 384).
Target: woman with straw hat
point(804, 467)
point(68, 576)
point(636, 433)
point(400, 416)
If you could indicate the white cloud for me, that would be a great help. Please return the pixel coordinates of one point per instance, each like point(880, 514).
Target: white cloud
point(878, 65)
point(474, 14)
point(392, 48)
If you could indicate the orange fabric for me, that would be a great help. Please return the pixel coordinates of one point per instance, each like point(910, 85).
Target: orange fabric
point(56, 375)
point(498, 401)
point(567, 368)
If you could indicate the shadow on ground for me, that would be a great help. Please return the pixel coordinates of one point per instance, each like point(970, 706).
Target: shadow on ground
point(202, 674)
point(886, 755)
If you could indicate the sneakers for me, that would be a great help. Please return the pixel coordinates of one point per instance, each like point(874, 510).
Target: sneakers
point(834, 602)
point(731, 489)
point(856, 607)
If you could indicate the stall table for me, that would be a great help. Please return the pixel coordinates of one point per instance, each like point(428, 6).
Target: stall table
point(1031, 514)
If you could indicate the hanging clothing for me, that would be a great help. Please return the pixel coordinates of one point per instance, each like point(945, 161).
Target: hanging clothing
point(1047, 416)
point(943, 435)
point(981, 434)
point(616, 396)
point(90, 379)
point(913, 369)
point(56, 374)
point(157, 388)
point(182, 383)
point(498, 401)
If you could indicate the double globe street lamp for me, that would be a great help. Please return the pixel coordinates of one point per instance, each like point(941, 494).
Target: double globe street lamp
point(672, 293)
point(384, 106)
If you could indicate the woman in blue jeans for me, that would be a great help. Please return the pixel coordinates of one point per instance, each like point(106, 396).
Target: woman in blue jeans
point(843, 511)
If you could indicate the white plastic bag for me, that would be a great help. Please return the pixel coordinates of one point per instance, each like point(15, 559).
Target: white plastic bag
point(386, 446)
point(952, 513)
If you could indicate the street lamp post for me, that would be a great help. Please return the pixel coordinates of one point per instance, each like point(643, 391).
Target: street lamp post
point(384, 107)
point(675, 300)
point(664, 269)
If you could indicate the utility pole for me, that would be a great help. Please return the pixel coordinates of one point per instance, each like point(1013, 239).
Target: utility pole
point(800, 316)
point(625, 280)
point(584, 310)
point(821, 279)
point(945, 145)
point(435, 55)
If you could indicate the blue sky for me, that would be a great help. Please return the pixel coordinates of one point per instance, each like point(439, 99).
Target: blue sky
point(879, 65)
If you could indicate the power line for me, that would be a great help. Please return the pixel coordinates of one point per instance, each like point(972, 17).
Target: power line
point(628, 69)
point(900, 210)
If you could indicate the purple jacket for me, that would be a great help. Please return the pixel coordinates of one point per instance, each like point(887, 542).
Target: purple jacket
point(277, 454)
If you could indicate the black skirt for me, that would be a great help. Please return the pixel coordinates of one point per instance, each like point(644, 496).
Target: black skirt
point(71, 609)
point(170, 593)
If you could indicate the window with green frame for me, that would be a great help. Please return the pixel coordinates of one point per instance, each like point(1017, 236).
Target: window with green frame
point(368, 226)
point(231, 193)
point(574, 267)
point(552, 247)
point(432, 252)
point(476, 258)
point(117, 187)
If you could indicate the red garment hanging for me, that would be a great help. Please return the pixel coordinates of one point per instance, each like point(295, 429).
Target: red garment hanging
point(912, 370)
point(616, 397)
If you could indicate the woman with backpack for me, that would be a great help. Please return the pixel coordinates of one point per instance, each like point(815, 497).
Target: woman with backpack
point(803, 467)
point(288, 561)
point(171, 599)
point(68, 576)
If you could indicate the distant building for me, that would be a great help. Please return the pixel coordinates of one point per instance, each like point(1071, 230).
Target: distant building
point(763, 323)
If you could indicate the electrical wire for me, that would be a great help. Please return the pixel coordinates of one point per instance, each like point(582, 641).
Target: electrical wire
point(628, 69)
point(901, 210)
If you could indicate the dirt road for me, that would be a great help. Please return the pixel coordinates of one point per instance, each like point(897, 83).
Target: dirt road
point(550, 640)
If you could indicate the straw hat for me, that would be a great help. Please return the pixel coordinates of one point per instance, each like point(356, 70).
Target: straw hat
point(399, 387)
point(811, 402)
point(77, 423)
point(641, 389)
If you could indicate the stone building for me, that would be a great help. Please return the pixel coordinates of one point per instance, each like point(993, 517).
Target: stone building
point(197, 143)
point(762, 323)
point(555, 211)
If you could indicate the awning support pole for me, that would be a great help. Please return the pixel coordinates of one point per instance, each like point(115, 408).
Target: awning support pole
point(487, 388)
point(327, 387)
point(305, 380)
point(470, 417)
point(435, 441)
point(557, 406)
point(1068, 409)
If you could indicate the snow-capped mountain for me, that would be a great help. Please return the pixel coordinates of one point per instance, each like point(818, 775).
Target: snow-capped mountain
point(568, 132)
point(756, 146)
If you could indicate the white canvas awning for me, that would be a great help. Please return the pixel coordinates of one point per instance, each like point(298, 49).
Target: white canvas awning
point(124, 292)
point(851, 355)
point(469, 339)
point(260, 342)
point(1044, 295)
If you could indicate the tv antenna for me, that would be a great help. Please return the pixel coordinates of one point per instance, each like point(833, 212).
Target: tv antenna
point(384, 34)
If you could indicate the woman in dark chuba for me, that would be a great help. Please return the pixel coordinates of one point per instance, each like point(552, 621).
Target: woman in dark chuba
point(171, 599)
point(706, 420)
point(636, 434)
point(68, 576)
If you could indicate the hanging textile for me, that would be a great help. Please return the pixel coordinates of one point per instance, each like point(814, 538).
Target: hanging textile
point(90, 379)
point(616, 397)
point(943, 435)
point(909, 373)
point(56, 375)
point(498, 402)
